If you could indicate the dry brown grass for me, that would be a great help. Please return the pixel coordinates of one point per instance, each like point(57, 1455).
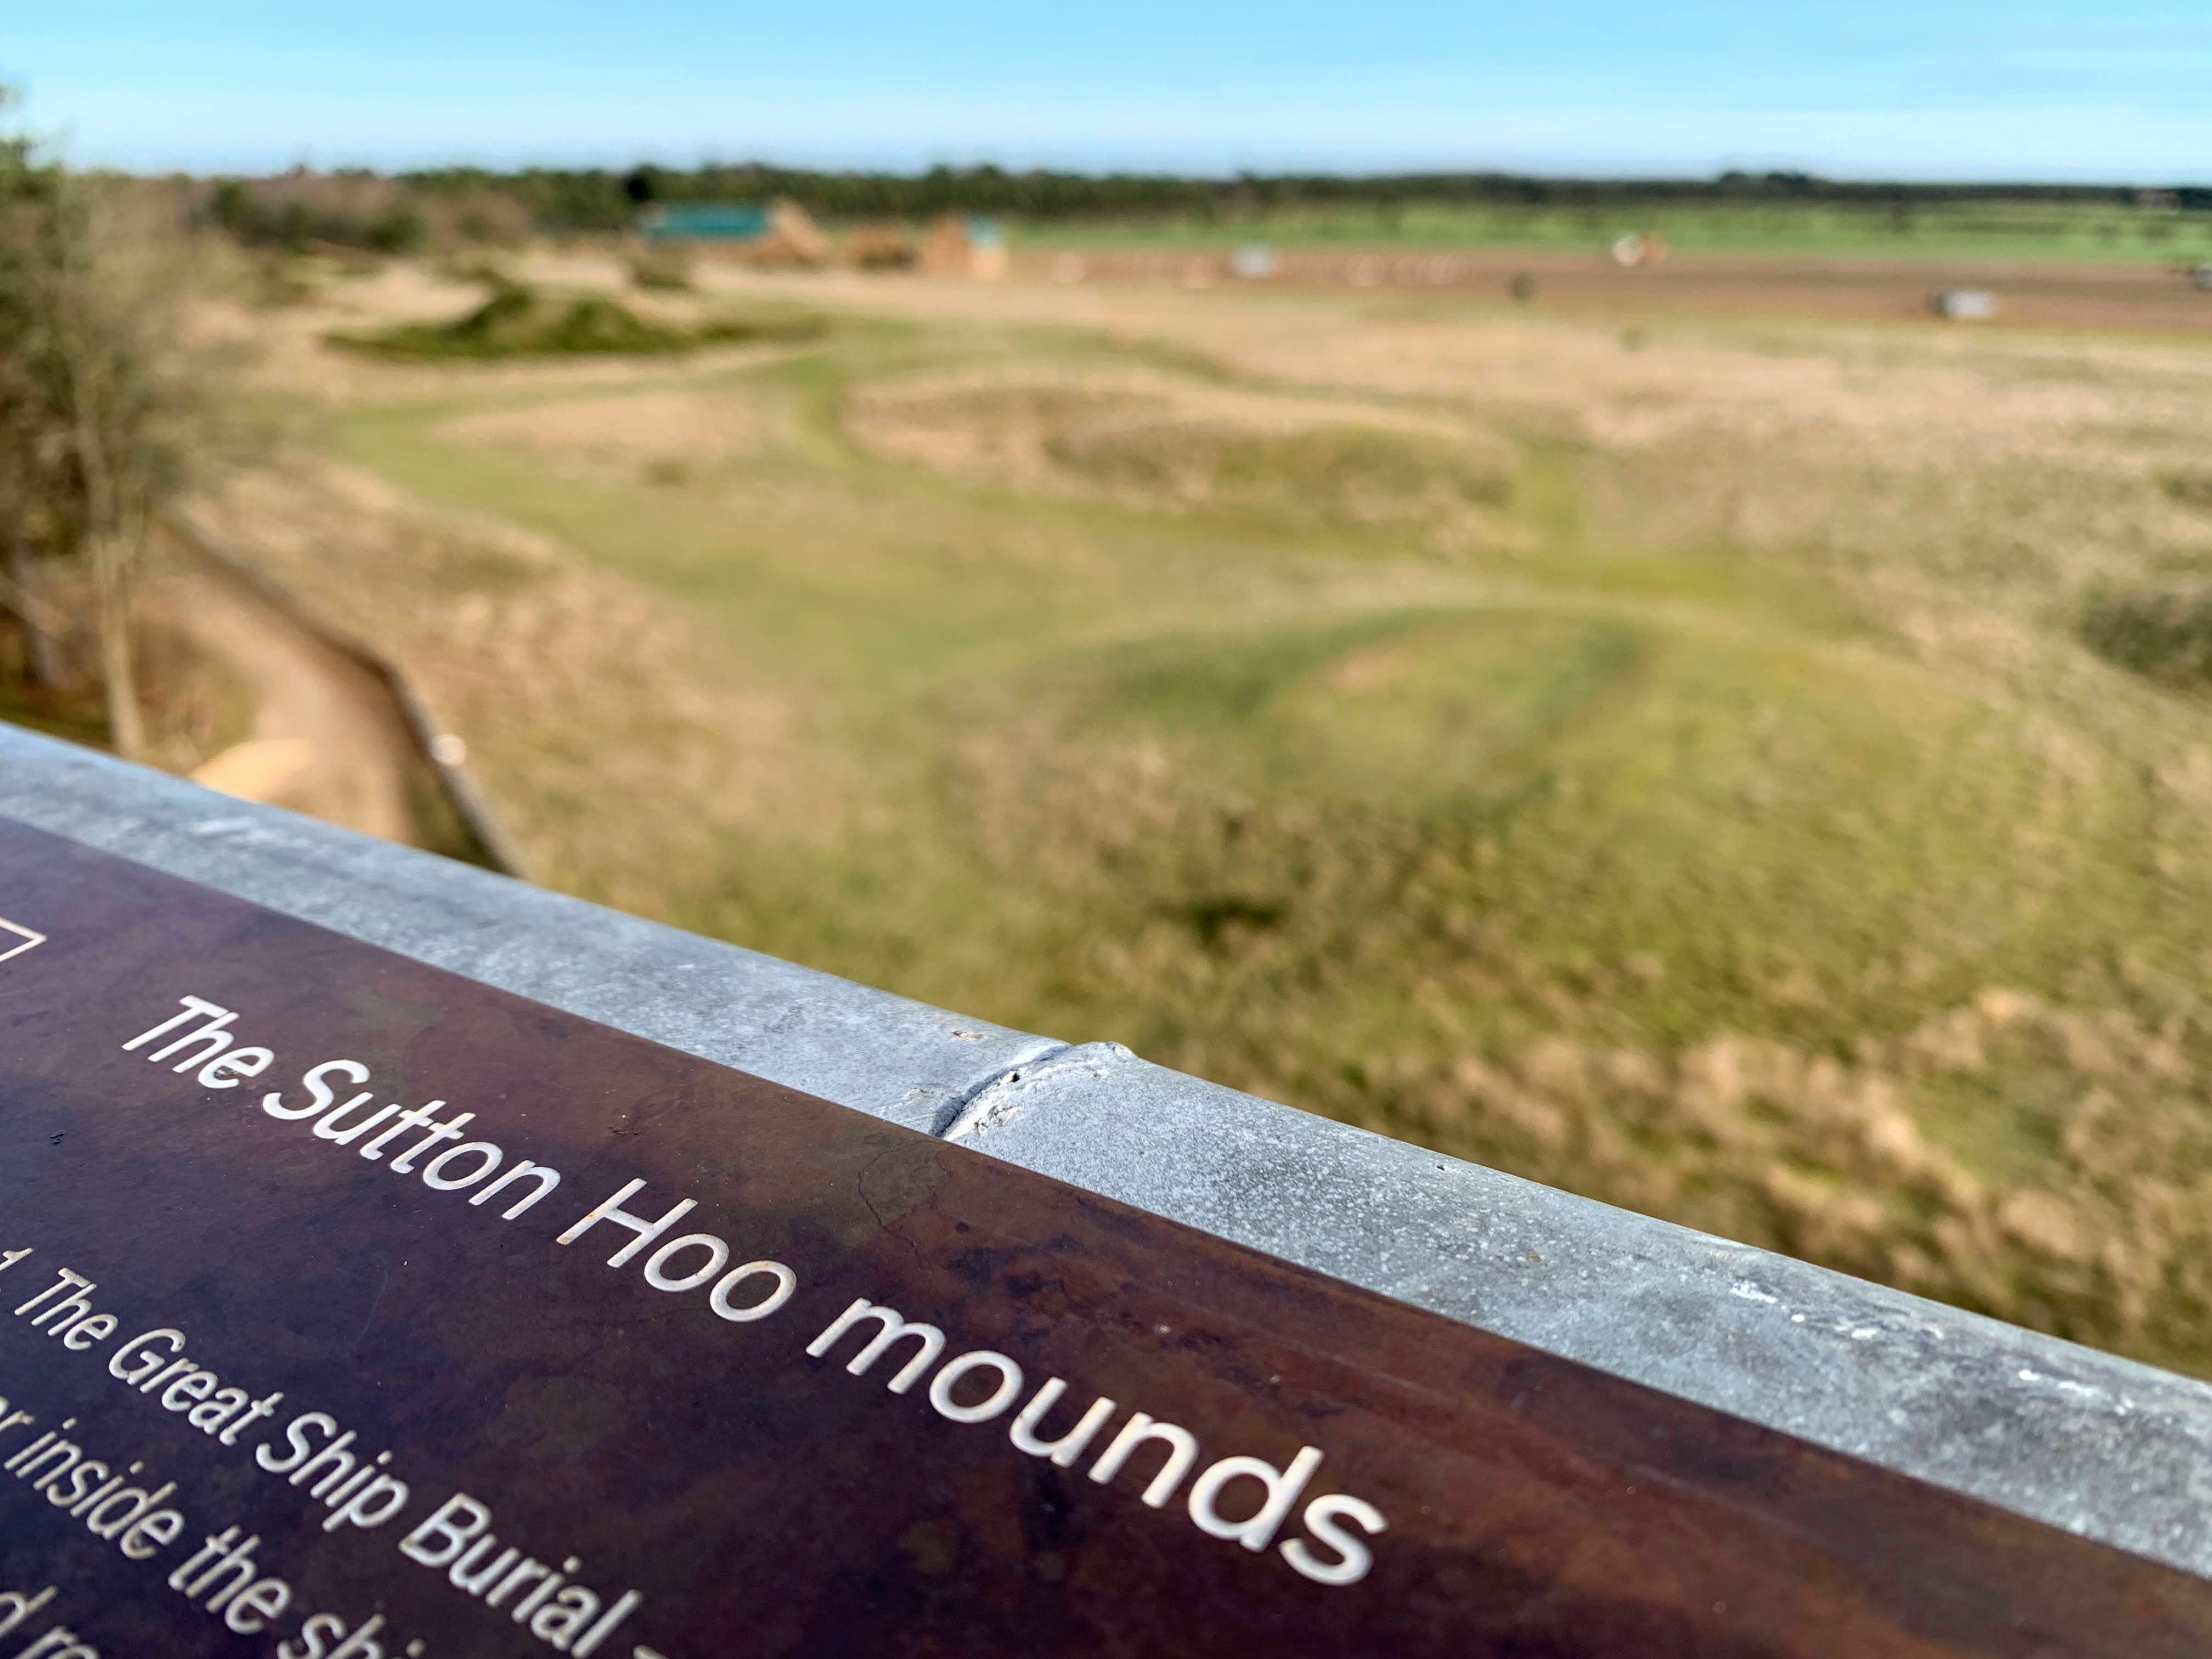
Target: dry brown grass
point(624, 745)
point(675, 425)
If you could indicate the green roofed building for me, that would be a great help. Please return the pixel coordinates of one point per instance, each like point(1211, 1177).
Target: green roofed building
point(706, 222)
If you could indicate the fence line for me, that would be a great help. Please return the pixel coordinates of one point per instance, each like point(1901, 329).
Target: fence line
point(437, 747)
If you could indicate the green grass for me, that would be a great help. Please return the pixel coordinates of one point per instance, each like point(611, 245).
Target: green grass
point(2098, 234)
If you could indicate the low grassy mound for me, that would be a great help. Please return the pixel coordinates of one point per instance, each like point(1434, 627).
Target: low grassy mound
point(1150, 440)
point(1322, 474)
point(518, 321)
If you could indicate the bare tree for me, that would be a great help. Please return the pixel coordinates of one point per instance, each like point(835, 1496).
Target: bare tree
point(24, 180)
point(89, 405)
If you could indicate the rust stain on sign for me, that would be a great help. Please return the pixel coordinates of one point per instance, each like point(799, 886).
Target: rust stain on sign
point(515, 1334)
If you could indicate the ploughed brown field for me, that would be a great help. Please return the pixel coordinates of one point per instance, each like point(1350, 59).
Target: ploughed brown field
point(2126, 297)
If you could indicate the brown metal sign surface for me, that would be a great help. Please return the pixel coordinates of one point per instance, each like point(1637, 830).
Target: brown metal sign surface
point(350, 1310)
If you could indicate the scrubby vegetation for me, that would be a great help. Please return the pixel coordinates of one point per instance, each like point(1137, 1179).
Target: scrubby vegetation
point(2163, 633)
point(360, 211)
point(518, 321)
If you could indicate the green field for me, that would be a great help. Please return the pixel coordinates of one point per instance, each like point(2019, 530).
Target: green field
point(1675, 765)
point(2067, 232)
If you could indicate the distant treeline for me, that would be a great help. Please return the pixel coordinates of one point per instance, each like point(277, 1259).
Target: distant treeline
point(381, 220)
point(603, 199)
point(470, 205)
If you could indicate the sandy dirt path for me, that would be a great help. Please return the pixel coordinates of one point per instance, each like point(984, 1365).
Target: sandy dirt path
point(327, 739)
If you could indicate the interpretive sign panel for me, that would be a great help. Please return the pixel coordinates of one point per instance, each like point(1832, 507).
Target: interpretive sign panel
point(350, 1310)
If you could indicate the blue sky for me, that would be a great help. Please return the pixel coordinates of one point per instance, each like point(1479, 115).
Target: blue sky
point(1938, 89)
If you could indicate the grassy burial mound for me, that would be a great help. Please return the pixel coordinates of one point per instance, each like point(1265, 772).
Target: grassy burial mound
point(1364, 473)
point(519, 321)
point(1153, 441)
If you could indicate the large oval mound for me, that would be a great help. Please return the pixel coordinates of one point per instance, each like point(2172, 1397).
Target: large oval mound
point(1155, 440)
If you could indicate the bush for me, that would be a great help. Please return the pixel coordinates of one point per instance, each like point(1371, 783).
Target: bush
point(516, 322)
point(346, 212)
point(95, 407)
